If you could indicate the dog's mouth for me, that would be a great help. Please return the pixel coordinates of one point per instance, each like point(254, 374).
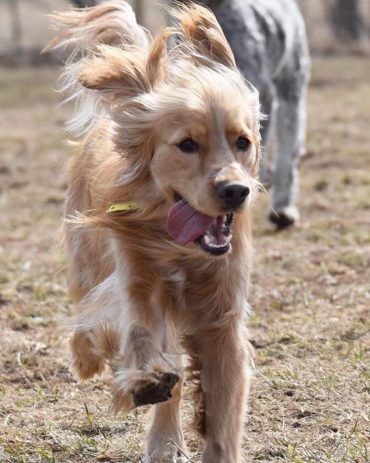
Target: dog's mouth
point(216, 240)
point(185, 225)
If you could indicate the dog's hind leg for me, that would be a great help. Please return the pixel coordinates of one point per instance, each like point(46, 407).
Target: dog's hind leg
point(85, 272)
point(86, 362)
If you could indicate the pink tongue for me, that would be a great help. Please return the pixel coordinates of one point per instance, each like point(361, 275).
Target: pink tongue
point(185, 224)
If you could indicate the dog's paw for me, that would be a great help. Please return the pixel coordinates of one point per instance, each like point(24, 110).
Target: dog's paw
point(156, 392)
point(285, 217)
point(134, 388)
point(85, 362)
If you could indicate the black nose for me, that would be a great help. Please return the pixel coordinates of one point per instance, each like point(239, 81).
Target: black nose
point(232, 194)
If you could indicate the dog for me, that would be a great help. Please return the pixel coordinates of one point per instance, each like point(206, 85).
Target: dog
point(269, 42)
point(158, 218)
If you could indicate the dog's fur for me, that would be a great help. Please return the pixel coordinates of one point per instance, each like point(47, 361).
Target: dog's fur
point(268, 39)
point(143, 299)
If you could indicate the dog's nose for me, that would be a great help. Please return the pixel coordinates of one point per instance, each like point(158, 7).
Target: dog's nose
point(232, 194)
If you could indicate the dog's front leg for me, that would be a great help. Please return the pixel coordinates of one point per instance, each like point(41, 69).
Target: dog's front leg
point(144, 370)
point(143, 373)
point(148, 371)
point(224, 374)
point(165, 437)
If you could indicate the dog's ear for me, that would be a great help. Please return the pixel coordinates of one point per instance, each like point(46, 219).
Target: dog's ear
point(127, 72)
point(157, 61)
point(199, 30)
point(116, 72)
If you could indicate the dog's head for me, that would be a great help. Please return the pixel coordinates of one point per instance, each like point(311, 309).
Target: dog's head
point(206, 152)
point(187, 121)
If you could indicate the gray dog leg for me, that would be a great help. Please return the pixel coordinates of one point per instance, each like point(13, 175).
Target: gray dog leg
point(290, 125)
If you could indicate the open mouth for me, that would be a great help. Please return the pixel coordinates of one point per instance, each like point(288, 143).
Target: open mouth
point(212, 234)
point(216, 240)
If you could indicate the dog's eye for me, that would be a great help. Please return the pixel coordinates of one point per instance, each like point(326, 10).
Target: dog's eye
point(189, 146)
point(242, 143)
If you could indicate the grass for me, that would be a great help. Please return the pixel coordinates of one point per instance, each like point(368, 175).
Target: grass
point(310, 293)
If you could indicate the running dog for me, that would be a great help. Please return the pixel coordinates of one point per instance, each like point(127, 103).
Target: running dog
point(158, 218)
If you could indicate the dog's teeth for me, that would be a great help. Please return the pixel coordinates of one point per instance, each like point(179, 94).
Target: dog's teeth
point(209, 241)
point(217, 246)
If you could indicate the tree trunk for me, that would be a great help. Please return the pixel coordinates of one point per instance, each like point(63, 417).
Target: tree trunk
point(346, 20)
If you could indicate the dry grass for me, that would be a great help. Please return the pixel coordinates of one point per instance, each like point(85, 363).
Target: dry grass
point(310, 397)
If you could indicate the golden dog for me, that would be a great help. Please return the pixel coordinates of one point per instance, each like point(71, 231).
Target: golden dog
point(158, 208)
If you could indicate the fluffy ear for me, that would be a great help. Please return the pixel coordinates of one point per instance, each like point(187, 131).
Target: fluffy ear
point(157, 61)
point(116, 71)
point(129, 71)
point(200, 30)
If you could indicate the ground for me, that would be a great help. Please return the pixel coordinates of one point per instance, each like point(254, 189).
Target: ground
point(310, 293)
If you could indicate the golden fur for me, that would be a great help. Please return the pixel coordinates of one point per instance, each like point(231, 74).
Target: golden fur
point(143, 299)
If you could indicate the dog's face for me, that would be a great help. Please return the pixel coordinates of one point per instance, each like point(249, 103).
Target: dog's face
point(205, 155)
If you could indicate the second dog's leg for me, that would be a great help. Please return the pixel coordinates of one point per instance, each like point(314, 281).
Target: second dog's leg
point(225, 382)
point(290, 127)
point(290, 137)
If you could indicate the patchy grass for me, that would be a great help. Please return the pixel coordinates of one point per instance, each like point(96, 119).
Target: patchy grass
point(311, 295)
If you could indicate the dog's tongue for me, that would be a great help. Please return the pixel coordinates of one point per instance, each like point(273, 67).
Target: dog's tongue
point(185, 224)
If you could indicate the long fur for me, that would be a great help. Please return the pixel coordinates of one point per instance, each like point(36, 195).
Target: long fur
point(83, 32)
point(142, 298)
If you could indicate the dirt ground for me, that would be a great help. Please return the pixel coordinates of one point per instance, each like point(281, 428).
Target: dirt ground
point(311, 294)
